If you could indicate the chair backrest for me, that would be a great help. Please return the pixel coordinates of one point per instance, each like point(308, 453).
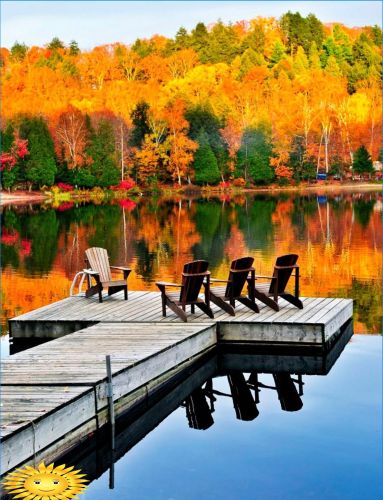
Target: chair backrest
point(192, 277)
point(237, 279)
point(283, 274)
point(99, 261)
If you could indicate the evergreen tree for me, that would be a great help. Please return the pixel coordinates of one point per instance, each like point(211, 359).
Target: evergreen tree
point(199, 41)
point(301, 31)
point(302, 167)
point(253, 157)
point(140, 123)
point(182, 39)
point(362, 162)
point(101, 150)
point(73, 48)
point(55, 44)
point(223, 44)
point(40, 164)
point(18, 51)
point(205, 162)
point(143, 47)
point(277, 53)
point(203, 118)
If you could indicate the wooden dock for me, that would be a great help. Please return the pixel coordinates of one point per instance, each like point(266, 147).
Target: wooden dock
point(315, 324)
point(55, 394)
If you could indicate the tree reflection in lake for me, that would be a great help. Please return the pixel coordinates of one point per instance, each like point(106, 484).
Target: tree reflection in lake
point(337, 236)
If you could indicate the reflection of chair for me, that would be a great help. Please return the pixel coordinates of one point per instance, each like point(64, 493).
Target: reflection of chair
point(198, 411)
point(100, 269)
point(244, 404)
point(238, 276)
point(268, 293)
point(287, 392)
point(193, 275)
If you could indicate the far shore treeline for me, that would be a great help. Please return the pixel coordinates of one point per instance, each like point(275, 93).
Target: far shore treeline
point(250, 103)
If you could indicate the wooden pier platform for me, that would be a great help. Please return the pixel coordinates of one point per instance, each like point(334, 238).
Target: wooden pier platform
point(55, 394)
point(315, 324)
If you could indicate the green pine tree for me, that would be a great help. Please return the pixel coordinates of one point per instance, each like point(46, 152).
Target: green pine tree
point(205, 162)
point(101, 150)
point(362, 162)
point(40, 164)
point(253, 157)
point(140, 123)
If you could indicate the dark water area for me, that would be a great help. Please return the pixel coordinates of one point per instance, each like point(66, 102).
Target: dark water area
point(338, 238)
point(247, 430)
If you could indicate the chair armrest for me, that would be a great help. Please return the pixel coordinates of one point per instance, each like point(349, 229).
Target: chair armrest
point(295, 266)
point(90, 272)
point(121, 268)
point(164, 283)
point(242, 270)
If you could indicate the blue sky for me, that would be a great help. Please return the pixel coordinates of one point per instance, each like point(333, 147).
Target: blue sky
point(93, 23)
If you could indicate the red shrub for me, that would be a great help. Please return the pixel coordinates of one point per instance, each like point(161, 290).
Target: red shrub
point(64, 187)
point(124, 185)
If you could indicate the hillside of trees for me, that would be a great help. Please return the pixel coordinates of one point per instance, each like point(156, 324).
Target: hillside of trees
point(259, 101)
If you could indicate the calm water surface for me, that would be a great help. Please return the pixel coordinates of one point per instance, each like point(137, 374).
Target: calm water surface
point(338, 238)
point(328, 449)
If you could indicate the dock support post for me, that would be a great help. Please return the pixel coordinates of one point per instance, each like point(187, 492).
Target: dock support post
point(111, 419)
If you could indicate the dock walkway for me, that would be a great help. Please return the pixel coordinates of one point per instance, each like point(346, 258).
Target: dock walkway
point(60, 387)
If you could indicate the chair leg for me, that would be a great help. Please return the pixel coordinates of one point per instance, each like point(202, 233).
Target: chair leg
point(192, 308)
point(293, 300)
point(126, 293)
point(205, 309)
point(249, 303)
point(222, 304)
point(163, 298)
point(180, 313)
point(266, 300)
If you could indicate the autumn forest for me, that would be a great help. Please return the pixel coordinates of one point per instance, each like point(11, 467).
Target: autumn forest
point(251, 103)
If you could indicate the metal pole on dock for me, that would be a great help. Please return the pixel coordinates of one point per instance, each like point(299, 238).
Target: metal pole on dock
point(111, 418)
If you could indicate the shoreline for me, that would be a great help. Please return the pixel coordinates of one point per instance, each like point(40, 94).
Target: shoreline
point(25, 198)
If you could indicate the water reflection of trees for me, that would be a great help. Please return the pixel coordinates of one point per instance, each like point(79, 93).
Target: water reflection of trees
point(338, 238)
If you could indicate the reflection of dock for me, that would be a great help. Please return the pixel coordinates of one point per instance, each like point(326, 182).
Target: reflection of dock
point(94, 455)
point(315, 324)
point(55, 394)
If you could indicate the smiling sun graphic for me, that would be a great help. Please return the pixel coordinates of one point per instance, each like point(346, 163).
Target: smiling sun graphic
point(45, 483)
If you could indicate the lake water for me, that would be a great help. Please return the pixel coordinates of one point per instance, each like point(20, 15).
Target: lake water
point(328, 447)
point(337, 236)
point(234, 434)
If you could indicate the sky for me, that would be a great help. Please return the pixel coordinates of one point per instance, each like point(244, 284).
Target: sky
point(93, 23)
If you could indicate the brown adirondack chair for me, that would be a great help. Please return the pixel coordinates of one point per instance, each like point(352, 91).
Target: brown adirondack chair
point(241, 272)
point(193, 275)
point(269, 292)
point(98, 261)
